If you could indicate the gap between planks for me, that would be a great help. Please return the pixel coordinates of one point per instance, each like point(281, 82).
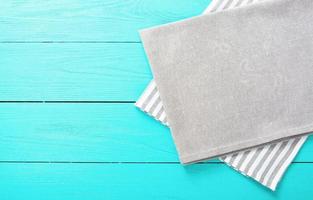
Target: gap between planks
point(99, 162)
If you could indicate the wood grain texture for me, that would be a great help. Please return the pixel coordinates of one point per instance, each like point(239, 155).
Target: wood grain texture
point(88, 133)
point(82, 132)
point(144, 181)
point(94, 20)
point(80, 71)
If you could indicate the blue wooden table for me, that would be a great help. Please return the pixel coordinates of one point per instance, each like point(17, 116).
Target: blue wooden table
point(70, 71)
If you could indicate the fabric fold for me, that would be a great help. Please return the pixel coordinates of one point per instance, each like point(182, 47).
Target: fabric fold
point(285, 151)
point(231, 87)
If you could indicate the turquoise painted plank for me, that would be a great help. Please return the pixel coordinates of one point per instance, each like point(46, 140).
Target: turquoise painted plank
point(82, 132)
point(93, 20)
point(145, 181)
point(58, 71)
point(88, 133)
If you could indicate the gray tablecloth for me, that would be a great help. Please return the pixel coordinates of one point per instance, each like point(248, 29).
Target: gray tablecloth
point(222, 96)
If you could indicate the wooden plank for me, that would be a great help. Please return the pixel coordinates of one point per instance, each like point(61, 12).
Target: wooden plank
point(72, 71)
point(82, 132)
point(145, 181)
point(96, 20)
point(88, 133)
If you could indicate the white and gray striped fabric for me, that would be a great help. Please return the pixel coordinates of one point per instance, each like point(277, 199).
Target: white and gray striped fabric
point(265, 164)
